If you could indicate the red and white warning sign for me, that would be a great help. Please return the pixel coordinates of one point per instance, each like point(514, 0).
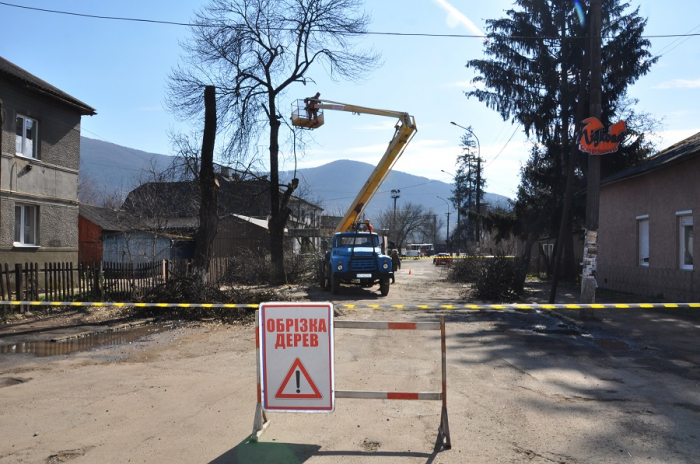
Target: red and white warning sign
point(296, 356)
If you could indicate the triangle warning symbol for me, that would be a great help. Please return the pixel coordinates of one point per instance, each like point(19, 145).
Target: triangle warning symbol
point(297, 366)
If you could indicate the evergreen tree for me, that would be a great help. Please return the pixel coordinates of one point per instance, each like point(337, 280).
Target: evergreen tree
point(532, 76)
point(468, 190)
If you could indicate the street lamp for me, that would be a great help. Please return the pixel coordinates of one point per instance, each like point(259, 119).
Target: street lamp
point(447, 240)
point(395, 194)
point(478, 181)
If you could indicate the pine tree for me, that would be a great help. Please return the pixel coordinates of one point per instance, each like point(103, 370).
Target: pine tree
point(532, 76)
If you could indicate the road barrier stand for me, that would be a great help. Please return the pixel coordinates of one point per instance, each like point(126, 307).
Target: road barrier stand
point(260, 423)
point(304, 391)
point(444, 427)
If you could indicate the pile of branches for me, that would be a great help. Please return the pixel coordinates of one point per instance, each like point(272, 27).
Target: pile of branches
point(253, 268)
point(185, 289)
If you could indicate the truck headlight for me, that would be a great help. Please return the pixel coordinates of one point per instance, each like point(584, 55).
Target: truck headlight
point(340, 266)
point(385, 265)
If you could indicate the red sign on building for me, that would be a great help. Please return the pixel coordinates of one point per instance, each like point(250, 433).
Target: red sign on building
point(596, 141)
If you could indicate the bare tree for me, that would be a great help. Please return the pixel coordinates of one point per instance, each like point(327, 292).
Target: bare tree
point(252, 51)
point(408, 222)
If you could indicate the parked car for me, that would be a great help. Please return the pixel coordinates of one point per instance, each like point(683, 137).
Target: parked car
point(442, 258)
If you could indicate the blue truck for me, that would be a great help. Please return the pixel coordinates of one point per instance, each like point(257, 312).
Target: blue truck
point(358, 258)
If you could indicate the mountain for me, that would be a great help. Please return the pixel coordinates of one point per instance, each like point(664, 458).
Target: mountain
point(335, 185)
point(332, 186)
point(114, 168)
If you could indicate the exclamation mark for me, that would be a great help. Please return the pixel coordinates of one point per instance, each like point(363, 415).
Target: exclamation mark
point(298, 376)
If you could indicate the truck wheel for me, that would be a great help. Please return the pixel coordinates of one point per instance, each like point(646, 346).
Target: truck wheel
point(326, 281)
point(384, 287)
point(335, 284)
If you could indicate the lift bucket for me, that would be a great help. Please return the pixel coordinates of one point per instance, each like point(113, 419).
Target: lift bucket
point(301, 116)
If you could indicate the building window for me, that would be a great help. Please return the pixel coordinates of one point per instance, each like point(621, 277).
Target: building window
point(686, 241)
point(643, 239)
point(26, 138)
point(26, 225)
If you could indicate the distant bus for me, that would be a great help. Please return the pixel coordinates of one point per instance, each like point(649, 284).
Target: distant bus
point(419, 249)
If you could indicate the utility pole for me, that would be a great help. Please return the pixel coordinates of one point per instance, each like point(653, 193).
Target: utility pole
point(590, 250)
point(434, 230)
point(478, 201)
point(447, 240)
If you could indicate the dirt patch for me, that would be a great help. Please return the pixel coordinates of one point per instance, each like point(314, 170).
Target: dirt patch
point(523, 386)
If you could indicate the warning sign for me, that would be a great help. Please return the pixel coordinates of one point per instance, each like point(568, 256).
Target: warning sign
point(296, 357)
point(300, 391)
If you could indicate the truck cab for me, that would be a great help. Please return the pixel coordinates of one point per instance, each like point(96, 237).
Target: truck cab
point(357, 258)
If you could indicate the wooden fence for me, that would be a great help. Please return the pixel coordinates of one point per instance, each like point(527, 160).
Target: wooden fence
point(103, 281)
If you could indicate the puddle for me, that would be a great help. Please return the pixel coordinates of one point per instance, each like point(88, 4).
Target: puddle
point(117, 337)
point(611, 344)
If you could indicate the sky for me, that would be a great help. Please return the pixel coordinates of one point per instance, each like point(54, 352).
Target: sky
point(120, 68)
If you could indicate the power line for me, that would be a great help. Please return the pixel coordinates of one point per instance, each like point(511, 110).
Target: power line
point(396, 34)
point(84, 15)
point(504, 146)
point(677, 42)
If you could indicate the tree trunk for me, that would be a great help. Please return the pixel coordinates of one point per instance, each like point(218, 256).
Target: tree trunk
point(527, 253)
point(208, 196)
point(277, 218)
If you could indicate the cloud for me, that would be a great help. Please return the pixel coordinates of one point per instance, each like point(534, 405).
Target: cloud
point(456, 17)
point(679, 84)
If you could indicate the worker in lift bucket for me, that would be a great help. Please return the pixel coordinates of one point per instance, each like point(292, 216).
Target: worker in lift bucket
point(311, 103)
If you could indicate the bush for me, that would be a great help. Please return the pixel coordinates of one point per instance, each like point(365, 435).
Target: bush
point(499, 279)
point(465, 269)
point(495, 278)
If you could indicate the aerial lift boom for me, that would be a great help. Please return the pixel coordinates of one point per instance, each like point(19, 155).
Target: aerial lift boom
point(405, 129)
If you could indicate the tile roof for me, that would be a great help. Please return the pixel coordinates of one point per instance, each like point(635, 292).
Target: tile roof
point(682, 151)
point(181, 199)
point(14, 72)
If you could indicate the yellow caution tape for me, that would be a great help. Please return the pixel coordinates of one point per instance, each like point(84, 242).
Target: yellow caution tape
point(450, 306)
